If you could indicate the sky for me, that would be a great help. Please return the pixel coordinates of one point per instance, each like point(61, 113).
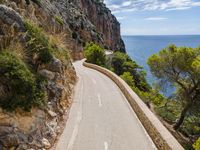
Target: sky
point(157, 17)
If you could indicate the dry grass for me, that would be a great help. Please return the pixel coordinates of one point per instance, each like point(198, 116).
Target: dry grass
point(18, 49)
point(58, 40)
point(10, 41)
point(6, 39)
point(59, 44)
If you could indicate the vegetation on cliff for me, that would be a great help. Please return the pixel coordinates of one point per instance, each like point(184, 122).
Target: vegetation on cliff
point(22, 86)
point(36, 79)
point(196, 145)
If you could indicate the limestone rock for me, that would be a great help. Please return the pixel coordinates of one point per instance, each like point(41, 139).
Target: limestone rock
point(11, 17)
point(52, 114)
point(5, 130)
point(46, 143)
point(9, 140)
point(55, 65)
point(46, 73)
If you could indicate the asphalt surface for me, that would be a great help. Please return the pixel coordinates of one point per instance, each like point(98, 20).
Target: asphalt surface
point(101, 118)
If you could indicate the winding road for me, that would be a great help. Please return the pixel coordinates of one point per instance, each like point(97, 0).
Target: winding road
point(101, 118)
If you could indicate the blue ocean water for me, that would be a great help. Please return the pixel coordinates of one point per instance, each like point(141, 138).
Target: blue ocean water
point(139, 48)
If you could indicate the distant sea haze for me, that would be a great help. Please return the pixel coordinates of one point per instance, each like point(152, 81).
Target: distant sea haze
point(140, 48)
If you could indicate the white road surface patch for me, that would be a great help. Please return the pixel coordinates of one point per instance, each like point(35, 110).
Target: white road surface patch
point(94, 81)
point(75, 131)
point(105, 145)
point(99, 99)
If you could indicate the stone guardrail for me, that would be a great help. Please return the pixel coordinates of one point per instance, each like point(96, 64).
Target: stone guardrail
point(162, 138)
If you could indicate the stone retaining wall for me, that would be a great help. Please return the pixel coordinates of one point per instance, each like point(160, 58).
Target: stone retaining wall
point(162, 138)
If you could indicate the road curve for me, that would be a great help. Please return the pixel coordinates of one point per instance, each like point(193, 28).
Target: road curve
point(101, 118)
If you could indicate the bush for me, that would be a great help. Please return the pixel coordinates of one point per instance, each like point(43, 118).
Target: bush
point(196, 145)
point(121, 63)
point(128, 78)
point(38, 44)
point(95, 54)
point(21, 89)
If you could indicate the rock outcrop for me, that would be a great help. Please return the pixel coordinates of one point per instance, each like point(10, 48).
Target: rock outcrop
point(78, 21)
point(106, 24)
point(10, 17)
point(86, 20)
point(39, 128)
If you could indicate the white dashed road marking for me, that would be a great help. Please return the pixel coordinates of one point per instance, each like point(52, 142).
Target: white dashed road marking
point(106, 145)
point(99, 99)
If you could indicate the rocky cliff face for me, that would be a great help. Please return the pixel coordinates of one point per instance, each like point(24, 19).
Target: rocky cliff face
point(85, 20)
point(90, 20)
point(106, 24)
point(37, 126)
point(57, 26)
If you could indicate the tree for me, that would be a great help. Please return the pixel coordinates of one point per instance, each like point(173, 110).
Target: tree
point(128, 78)
point(117, 62)
point(179, 66)
point(121, 63)
point(95, 54)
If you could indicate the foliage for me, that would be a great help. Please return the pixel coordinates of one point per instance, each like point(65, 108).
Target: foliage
point(196, 145)
point(59, 20)
point(128, 78)
point(95, 54)
point(21, 89)
point(179, 67)
point(121, 63)
point(38, 44)
point(117, 62)
point(169, 110)
point(58, 43)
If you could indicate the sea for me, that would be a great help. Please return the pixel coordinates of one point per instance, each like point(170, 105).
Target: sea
point(141, 47)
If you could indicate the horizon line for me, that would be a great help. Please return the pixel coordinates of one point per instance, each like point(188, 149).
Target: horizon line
point(162, 35)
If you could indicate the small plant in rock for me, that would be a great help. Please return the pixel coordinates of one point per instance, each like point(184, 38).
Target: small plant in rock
point(59, 20)
point(38, 45)
point(196, 145)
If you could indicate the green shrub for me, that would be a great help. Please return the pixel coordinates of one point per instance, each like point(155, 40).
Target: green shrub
point(117, 62)
point(62, 54)
point(59, 20)
point(38, 44)
point(196, 145)
point(128, 78)
point(21, 88)
point(121, 63)
point(95, 54)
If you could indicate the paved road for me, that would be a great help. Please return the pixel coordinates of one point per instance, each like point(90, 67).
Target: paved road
point(101, 118)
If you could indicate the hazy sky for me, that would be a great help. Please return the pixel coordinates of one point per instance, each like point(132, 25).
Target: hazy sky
point(157, 17)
